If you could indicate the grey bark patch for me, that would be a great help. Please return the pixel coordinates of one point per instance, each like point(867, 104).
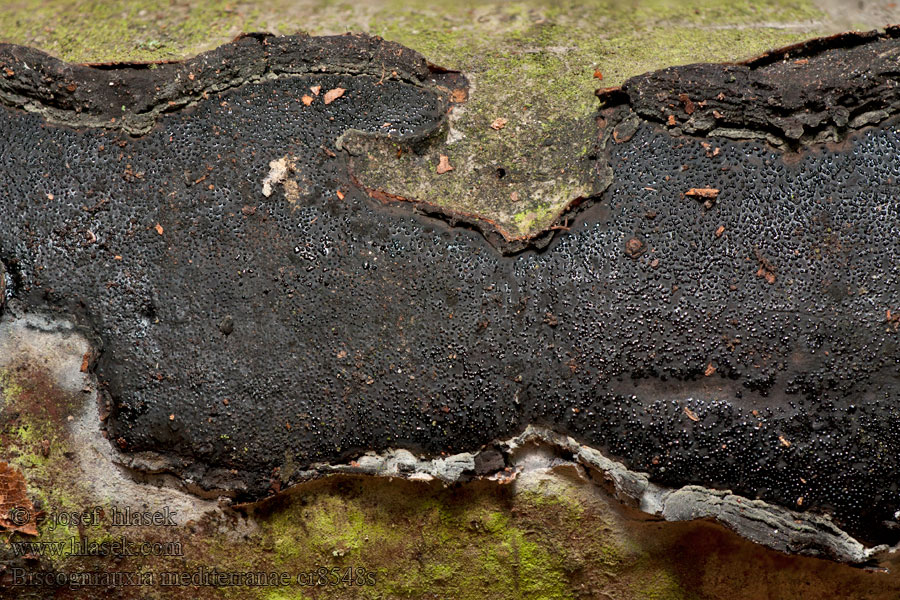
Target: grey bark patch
point(57, 346)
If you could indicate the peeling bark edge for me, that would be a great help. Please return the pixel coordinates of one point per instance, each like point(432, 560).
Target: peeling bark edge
point(356, 143)
point(772, 526)
point(809, 93)
point(498, 237)
point(776, 527)
point(130, 96)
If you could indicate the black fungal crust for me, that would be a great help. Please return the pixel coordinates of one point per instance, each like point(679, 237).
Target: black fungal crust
point(3, 285)
point(758, 359)
point(808, 93)
point(131, 96)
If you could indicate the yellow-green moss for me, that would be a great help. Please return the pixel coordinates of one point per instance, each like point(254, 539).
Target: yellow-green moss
point(101, 31)
point(427, 541)
point(31, 420)
point(9, 390)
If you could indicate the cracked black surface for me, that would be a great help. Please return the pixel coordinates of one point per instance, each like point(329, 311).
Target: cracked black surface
point(334, 326)
point(811, 92)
